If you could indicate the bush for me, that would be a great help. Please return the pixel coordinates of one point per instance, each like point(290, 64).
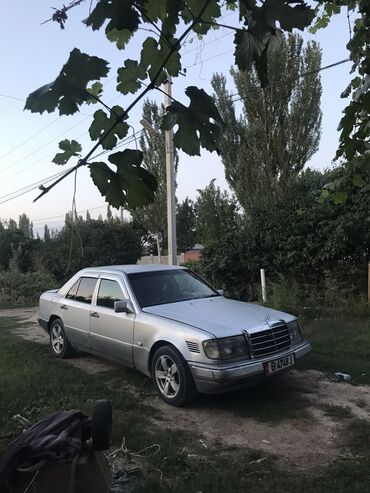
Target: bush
point(19, 287)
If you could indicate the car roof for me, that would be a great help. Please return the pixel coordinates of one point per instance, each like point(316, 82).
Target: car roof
point(133, 268)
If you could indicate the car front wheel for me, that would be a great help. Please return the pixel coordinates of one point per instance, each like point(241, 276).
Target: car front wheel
point(59, 342)
point(172, 377)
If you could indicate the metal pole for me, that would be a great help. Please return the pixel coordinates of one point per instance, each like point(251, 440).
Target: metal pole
point(263, 285)
point(170, 171)
point(368, 282)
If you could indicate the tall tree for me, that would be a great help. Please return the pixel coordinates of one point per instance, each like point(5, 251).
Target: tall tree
point(216, 214)
point(153, 217)
point(47, 236)
point(185, 225)
point(25, 225)
point(278, 129)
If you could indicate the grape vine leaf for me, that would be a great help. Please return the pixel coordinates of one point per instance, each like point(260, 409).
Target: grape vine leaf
point(300, 16)
point(129, 77)
point(101, 127)
point(131, 185)
point(121, 15)
point(69, 90)
point(95, 90)
point(70, 148)
point(199, 124)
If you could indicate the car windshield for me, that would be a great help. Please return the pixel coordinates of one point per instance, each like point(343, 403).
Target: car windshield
point(169, 286)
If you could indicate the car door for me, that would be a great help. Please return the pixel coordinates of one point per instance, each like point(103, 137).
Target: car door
point(111, 333)
point(75, 311)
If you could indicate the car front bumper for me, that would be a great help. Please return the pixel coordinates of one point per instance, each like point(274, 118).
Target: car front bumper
point(211, 379)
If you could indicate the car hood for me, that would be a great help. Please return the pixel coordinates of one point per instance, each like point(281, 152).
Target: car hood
point(220, 316)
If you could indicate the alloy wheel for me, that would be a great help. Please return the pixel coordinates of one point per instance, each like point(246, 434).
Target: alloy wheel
point(167, 376)
point(57, 338)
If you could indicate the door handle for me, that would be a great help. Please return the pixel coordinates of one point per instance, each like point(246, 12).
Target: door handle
point(64, 307)
point(94, 314)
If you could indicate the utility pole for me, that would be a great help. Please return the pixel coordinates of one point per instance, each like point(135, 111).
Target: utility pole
point(170, 172)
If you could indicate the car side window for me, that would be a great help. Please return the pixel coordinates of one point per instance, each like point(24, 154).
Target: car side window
point(72, 292)
point(85, 289)
point(109, 292)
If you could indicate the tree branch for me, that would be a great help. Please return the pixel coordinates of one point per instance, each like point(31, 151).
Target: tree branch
point(211, 23)
point(84, 161)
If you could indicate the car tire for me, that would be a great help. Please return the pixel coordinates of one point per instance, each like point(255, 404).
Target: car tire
point(59, 342)
point(172, 377)
point(101, 425)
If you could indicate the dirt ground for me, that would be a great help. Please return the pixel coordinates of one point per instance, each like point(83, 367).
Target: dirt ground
point(307, 439)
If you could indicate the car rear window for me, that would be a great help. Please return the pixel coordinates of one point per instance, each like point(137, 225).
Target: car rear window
point(86, 289)
point(109, 292)
point(72, 292)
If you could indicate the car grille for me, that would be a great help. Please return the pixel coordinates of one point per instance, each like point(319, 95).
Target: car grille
point(193, 347)
point(270, 341)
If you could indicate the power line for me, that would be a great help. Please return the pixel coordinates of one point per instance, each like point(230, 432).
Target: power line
point(11, 97)
point(28, 188)
point(208, 59)
point(292, 79)
point(43, 146)
point(30, 138)
point(63, 215)
point(45, 128)
point(229, 33)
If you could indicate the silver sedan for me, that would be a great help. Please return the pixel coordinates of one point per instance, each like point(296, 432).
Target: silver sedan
point(170, 324)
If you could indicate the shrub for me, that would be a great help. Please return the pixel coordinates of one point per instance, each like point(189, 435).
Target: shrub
point(20, 287)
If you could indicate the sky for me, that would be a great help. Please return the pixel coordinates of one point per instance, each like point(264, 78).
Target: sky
point(32, 54)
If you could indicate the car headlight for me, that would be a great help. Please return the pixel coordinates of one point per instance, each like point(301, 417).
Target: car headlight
point(296, 333)
point(226, 348)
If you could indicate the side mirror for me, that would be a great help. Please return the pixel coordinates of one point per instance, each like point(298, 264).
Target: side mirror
point(220, 291)
point(121, 306)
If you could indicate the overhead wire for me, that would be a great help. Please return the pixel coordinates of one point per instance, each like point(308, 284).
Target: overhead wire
point(43, 219)
point(292, 79)
point(45, 128)
point(28, 188)
point(11, 97)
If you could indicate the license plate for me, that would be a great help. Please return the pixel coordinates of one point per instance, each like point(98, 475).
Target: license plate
point(279, 364)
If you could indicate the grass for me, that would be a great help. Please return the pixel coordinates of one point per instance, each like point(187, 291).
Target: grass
point(339, 345)
point(260, 402)
point(34, 384)
point(337, 412)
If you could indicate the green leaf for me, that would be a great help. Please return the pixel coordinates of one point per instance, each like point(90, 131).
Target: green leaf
point(357, 180)
point(248, 49)
point(121, 14)
point(153, 55)
point(288, 17)
point(121, 38)
point(172, 18)
point(131, 185)
point(102, 124)
point(275, 42)
point(340, 198)
point(198, 125)
point(139, 184)
point(210, 14)
point(108, 184)
point(129, 77)
point(70, 148)
point(69, 90)
point(95, 90)
point(156, 9)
